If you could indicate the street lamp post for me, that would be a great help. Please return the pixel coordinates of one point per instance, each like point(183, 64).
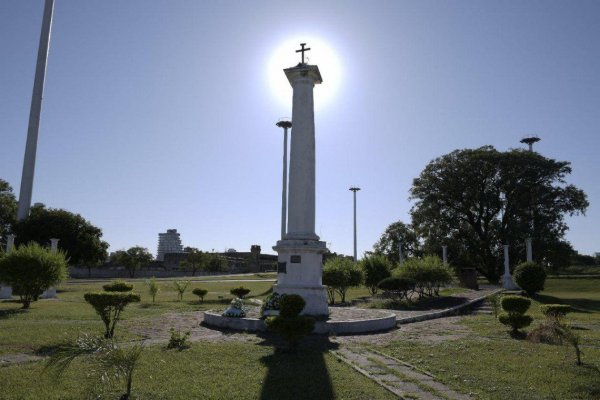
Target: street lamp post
point(285, 124)
point(355, 189)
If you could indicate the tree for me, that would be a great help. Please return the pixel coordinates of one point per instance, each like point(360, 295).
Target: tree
point(375, 268)
point(8, 209)
point(133, 258)
point(389, 241)
point(215, 263)
point(108, 306)
point(79, 239)
point(30, 269)
point(195, 260)
point(340, 274)
point(475, 200)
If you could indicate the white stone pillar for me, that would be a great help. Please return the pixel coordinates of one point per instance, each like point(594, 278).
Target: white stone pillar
point(6, 291)
point(300, 253)
point(51, 292)
point(507, 280)
point(34, 114)
point(529, 249)
point(445, 254)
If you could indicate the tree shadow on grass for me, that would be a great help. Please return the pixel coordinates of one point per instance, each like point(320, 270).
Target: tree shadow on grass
point(581, 305)
point(4, 314)
point(299, 375)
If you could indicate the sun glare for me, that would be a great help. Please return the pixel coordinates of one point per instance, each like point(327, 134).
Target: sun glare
point(320, 54)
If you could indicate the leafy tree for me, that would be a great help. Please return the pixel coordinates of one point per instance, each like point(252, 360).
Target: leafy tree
point(181, 287)
point(8, 209)
point(108, 306)
point(240, 291)
point(195, 260)
point(30, 269)
point(79, 239)
point(340, 274)
point(216, 263)
point(200, 293)
point(474, 200)
point(389, 241)
point(153, 288)
point(133, 258)
point(375, 269)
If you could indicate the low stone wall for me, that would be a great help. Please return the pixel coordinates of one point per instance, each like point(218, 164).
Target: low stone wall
point(381, 321)
point(109, 273)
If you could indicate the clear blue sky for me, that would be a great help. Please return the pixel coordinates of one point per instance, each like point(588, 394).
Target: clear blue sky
point(159, 114)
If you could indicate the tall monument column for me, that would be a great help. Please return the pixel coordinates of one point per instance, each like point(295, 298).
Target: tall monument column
point(34, 114)
point(300, 252)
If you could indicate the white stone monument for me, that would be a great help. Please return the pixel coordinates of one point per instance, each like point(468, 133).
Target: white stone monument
point(445, 254)
point(507, 280)
point(300, 252)
point(529, 250)
point(51, 292)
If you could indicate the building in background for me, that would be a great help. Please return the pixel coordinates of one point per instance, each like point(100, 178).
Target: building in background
point(169, 242)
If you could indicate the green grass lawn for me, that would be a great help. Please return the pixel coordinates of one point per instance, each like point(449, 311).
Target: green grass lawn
point(49, 321)
point(208, 371)
point(492, 365)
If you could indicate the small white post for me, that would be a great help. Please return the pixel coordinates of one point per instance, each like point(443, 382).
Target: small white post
point(6, 291)
point(51, 292)
point(445, 254)
point(529, 249)
point(507, 280)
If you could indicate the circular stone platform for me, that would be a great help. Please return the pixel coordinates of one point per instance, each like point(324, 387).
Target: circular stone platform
point(342, 320)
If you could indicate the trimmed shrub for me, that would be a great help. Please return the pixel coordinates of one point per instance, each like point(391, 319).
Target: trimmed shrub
point(429, 274)
point(200, 293)
point(515, 304)
point(398, 287)
point(375, 269)
point(240, 291)
point(530, 277)
point(289, 323)
point(118, 285)
point(31, 269)
point(555, 310)
point(291, 305)
point(514, 309)
point(515, 321)
point(108, 306)
point(340, 274)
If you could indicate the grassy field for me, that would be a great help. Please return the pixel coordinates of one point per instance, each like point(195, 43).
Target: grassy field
point(208, 371)
point(491, 365)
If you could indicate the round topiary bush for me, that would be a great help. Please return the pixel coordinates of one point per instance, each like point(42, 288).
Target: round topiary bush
point(240, 291)
point(108, 306)
point(530, 277)
point(200, 293)
point(515, 304)
point(31, 269)
point(555, 310)
point(291, 305)
point(397, 287)
point(118, 286)
point(514, 320)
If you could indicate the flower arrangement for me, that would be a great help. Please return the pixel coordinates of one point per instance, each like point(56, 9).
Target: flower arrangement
point(271, 305)
point(236, 309)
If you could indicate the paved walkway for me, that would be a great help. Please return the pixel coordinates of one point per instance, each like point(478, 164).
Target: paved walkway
point(404, 380)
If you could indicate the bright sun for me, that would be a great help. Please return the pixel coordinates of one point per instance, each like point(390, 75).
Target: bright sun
point(320, 54)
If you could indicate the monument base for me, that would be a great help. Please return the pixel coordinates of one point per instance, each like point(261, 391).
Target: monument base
point(5, 292)
point(508, 283)
point(299, 271)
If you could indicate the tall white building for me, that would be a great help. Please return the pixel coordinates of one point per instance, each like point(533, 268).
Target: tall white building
point(169, 242)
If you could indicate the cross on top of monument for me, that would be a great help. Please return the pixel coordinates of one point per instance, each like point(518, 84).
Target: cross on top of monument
point(302, 50)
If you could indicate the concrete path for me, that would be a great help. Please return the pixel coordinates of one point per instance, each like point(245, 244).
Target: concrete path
point(400, 378)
